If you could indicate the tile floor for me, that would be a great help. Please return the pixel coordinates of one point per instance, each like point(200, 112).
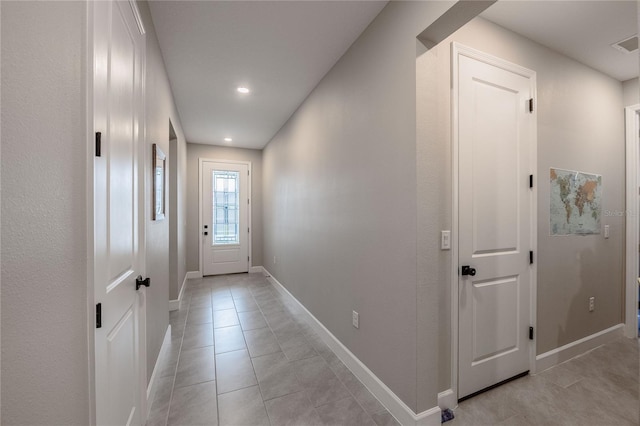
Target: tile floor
point(240, 354)
point(599, 388)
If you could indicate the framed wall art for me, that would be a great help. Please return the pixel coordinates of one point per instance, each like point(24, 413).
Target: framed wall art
point(159, 179)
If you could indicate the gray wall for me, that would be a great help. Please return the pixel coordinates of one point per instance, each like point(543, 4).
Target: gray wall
point(578, 129)
point(340, 205)
point(340, 190)
point(196, 151)
point(160, 108)
point(631, 92)
point(45, 370)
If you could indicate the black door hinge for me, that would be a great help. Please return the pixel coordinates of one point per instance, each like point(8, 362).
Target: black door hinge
point(530, 333)
point(530, 181)
point(530, 257)
point(98, 144)
point(531, 105)
point(99, 315)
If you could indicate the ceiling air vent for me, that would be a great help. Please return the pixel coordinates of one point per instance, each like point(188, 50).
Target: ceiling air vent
point(627, 45)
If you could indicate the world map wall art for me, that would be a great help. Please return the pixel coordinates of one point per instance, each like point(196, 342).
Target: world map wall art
point(575, 202)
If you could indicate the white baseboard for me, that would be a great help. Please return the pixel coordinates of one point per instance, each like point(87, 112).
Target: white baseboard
point(256, 270)
point(192, 275)
point(386, 396)
point(152, 388)
point(447, 399)
point(573, 349)
point(175, 304)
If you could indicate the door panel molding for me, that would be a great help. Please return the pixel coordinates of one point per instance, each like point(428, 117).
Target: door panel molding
point(457, 51)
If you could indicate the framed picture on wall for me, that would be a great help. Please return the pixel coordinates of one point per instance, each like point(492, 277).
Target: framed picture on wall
point(159, 176)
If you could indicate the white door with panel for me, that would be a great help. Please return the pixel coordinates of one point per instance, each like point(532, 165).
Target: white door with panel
point(496, 138)
point(118, 213)
point(225, 217)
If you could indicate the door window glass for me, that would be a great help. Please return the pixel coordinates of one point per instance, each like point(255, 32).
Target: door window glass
point(226, 207)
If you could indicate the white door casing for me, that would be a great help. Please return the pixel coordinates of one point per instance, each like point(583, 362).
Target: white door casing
point(494, 133)
point(118, 212)
point(632, 132)
point(218, 256)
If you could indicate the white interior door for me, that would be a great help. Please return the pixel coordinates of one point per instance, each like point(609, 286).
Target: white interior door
point(495, 137)
point(225, 218)
point(118, 220)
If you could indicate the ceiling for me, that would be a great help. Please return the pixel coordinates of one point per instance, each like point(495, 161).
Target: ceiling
point(282, 49)
point(582, 30)
point(279, 50)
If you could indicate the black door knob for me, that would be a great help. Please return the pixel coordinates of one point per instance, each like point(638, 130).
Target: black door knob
point(142, 282)
point(468, 270)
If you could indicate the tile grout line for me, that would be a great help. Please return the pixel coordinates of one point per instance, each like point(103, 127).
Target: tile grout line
point(175, 372)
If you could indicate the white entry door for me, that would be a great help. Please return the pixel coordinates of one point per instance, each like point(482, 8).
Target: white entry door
point(118, 220)
point(496, 132)
point(225, 217)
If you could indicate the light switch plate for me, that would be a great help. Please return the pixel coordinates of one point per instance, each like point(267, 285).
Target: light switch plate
point(445, 240)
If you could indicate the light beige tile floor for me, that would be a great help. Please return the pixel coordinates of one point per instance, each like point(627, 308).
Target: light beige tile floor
point(242, 355)
point(599, 388)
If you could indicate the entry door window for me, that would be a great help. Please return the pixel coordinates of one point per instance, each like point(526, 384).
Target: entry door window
point(226, 208)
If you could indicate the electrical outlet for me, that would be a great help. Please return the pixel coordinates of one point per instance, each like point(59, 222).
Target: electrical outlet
point(355, 319)
point(592, 304)
point(275, 260)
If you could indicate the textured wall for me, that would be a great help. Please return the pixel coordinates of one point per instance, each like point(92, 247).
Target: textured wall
point(340, 205)
point(196, 151)
point(631, 94)
point(45, 366)
point(160, 108)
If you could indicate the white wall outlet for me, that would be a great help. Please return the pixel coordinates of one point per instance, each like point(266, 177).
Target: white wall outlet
point(592, 304)
point(355, 319)
point(606, 231)
point(275, 260)
point(445, 240)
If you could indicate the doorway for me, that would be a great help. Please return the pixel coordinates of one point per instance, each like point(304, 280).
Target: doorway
point(225, 217)
point(494, 128)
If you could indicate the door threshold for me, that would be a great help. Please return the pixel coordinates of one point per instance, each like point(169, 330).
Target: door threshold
point(488, 388)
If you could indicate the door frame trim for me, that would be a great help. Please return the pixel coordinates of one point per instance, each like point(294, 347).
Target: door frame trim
point(458, 50)
point(632, 134)
point(202, 160)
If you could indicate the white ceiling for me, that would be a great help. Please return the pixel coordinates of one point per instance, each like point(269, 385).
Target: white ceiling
point(582, 30)
point(279, 49)
point(282, 49)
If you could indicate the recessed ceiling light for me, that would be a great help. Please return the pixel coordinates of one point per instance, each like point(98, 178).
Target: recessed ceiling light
point(228, 139)
point(242, 89)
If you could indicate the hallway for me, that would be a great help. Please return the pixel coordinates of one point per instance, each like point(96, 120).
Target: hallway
point(240, 355)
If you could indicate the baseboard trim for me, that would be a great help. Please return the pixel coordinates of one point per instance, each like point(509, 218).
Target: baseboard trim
point(153, 387)
point(193, 275)
point(571, 350)
point(447, 399)
point(256, 270)
point(174, 305)
point(398, 409)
